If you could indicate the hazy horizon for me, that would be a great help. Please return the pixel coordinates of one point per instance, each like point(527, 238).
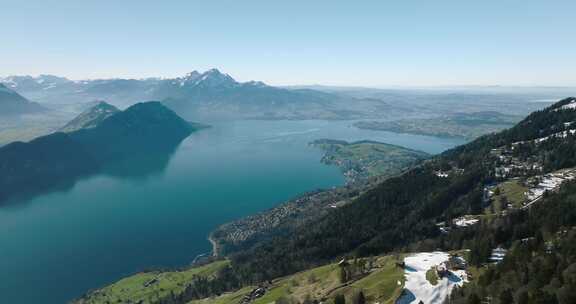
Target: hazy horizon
point(343, 86)
point(368, 44)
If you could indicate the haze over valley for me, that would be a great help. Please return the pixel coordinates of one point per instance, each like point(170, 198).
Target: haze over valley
point(45, 103)
point(240, 131)
point(299, 152)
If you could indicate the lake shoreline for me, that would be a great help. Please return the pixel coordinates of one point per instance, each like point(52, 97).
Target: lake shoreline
point(182, 195)
point(215, 248)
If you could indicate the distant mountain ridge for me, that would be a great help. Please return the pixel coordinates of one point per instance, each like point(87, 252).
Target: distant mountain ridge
point(29, 83)
point(90, 118)
point(12, 103)
point(211, 94)
point(60, 158)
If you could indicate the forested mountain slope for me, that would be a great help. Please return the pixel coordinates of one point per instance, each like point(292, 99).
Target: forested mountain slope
point(423, 210)
point(90, 118)
point(405, 209)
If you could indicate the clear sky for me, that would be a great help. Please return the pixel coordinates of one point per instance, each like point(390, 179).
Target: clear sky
point(369, 43)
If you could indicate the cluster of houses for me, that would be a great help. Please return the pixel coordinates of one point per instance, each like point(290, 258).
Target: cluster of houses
point(536, 186)
point(460, 222)
point(442, 174)
point(465, 221)
point(455, 262)
point(497, 255)
point(445, 174)
point(253, 295)
point(510, 166)
point(150, 282)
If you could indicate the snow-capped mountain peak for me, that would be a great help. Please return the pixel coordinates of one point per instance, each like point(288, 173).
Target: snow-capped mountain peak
point(192, 75)
point(41, 82)
point(214, 77)
point(255, 83)
point(210, 78)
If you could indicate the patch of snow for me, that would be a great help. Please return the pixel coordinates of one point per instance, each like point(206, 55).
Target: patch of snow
point(465, 221)
point(9, 82)
point(50, 86)
point(562, 134)
point(497, 255)
point(441, 174)
point(418, 288)
point(550, 182)
point(569, 106)
point(444, 229)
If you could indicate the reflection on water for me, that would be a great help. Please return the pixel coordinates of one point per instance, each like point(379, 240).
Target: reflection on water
point(141, 166)
point(156, 208)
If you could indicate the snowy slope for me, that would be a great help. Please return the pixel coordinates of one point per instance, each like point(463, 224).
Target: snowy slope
point(417, 288)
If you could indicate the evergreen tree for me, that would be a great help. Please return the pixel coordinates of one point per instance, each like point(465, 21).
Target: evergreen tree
point(506, 297)
point(339, 299)
point(473, 299)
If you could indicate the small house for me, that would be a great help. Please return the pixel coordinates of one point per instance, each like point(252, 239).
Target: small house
point(457, 262)
point(442, 270)
point(343, 263)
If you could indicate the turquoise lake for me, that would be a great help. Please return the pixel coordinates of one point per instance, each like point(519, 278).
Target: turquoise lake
point(157, 211)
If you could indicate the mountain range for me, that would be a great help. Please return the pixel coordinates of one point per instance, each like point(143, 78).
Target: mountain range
point(12, 103)
point(210, 94)
point(504, 204)
point(215, 95)
point(510, 191)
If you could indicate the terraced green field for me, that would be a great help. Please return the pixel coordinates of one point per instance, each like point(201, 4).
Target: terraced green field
point(148, 287)
point(364, 159)
point(382, 284)
point(509, 191)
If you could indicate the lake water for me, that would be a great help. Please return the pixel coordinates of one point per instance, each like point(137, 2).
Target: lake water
point(158, 211)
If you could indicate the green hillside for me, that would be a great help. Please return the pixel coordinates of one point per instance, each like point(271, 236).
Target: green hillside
point(379, 280)
point(518, 240)
point(364, 159)
point(149, 287)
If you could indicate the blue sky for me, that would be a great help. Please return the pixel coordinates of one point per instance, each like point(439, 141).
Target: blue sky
point(369, 43)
